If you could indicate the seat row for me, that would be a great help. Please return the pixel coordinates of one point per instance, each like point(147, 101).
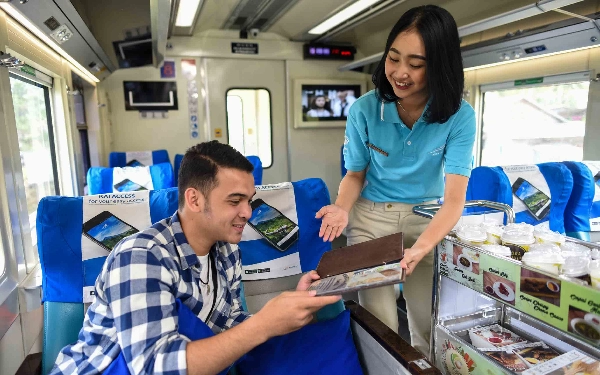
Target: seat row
point(143, 170)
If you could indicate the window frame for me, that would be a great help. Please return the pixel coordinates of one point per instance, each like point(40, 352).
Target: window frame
point(548, 80)
point(270, 116)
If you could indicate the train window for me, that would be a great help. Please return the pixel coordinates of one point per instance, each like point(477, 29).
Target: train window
point(31, 101)
point(249, 123)
point(535, 120)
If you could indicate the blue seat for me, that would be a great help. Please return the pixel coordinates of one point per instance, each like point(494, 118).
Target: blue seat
point(493, 184)
point(100, 179)
point(581, 209)
point(66, 274)
point(255, 160)
point(120, 159)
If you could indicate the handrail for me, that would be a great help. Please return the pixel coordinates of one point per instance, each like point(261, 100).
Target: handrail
point(429, 210)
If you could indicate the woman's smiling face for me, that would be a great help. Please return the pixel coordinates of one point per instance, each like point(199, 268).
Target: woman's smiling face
point(405, 66)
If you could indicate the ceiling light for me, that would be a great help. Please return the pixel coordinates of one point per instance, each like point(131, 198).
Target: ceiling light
point(342, 16)
point(187, 12)
point(24, 21)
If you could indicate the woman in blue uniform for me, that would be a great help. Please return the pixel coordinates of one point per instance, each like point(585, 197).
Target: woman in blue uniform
point(401, 138)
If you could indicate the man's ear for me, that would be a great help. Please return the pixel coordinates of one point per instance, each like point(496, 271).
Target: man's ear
point(194, 200)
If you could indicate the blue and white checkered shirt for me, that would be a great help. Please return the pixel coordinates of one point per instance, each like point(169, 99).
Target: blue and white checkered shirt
point(134, 308)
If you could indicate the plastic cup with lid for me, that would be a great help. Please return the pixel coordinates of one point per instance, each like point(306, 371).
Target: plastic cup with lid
point(547, 236)
point(497, 250)
point(577, 267)
point(547, 247)
point(571, 249)
point(522, 227)
point(471, 234)
point(493, 232)
point(521, 238)
point(543, 260)
point(594, 269)
point(595, 254)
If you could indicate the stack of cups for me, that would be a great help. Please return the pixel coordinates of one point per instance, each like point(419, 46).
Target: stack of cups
point(497, 250)
point(471, 234)
point(594, 268)
point(545, 257)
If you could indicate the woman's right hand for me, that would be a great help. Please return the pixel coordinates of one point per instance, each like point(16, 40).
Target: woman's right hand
point(334, 221)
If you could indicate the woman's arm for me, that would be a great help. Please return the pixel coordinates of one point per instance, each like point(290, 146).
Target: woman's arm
point(441, 224)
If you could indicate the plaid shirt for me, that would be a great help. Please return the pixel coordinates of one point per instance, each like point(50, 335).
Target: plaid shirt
point(135, 303)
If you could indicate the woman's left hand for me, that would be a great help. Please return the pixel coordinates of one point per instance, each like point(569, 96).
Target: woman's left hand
point(412, 257)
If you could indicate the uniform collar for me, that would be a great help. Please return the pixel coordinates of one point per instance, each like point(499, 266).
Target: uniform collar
point(388, 112)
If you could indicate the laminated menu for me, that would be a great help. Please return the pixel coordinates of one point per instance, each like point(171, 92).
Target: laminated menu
point(570, 363)
point(365, 265)
point(493, 336)
point(535, 353)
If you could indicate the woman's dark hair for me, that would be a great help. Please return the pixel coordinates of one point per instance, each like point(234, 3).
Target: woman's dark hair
point(445, 76)
point(201, 163)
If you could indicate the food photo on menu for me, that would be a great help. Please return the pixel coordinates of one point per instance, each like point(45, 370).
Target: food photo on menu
point(584, 324)
point(499, 287)
point(540, 286)
point(465, 258)
point(493, 336)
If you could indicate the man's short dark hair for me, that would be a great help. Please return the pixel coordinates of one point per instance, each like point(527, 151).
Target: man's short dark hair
point(201, 163)
point(445, 76)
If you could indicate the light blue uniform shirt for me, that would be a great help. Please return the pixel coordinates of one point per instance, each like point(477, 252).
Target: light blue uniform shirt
point(413, 170)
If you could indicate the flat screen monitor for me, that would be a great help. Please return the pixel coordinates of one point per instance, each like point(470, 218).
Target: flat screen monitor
point(325, 103)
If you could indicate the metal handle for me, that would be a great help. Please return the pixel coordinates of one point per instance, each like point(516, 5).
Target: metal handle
point(429, 210)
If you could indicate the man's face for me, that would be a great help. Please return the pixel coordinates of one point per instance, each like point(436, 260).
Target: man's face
point(228, 209)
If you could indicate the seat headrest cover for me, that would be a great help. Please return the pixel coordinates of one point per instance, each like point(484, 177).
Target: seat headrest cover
point(137, 158)
point(59, 227)
point(100, 180)
point(299, 202)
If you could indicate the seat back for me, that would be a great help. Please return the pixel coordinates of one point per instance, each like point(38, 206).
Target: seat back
point(582, 216)
point(146, 158)
point(71, 262)
point(101, 180)
point(268, 271)
point(255, 160)
point(502, 184)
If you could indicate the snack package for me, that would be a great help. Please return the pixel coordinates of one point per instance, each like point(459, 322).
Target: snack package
point(535, 353)
point(570, 363)
point(494, 336)
point(506, 358)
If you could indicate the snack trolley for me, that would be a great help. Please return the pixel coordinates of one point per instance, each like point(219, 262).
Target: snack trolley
point(531, 303)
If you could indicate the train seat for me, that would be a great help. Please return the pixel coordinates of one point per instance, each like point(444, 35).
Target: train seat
point(582, 214)
point(552, 180)
point(101, 180)
point(255, 160)
point(137, 158)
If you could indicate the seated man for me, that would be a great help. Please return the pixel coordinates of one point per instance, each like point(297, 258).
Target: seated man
point(192, 257)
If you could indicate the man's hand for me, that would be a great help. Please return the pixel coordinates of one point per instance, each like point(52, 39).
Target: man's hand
point(335, 219)
point(307, 279)
point(291, 311)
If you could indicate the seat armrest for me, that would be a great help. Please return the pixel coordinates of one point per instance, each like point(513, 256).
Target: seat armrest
point(407, 356)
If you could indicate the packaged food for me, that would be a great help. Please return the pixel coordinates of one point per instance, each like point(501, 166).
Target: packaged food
point(497, 250)
point(594, 269)
point(543, 235)
point(577, 267)
point(571, 249)
point(544, 260)
point(471, 234)
point(521, 227)
point(518, 241)
point(493, 336)
point(570, 363)
point(535, 353)
point(595, 254)
point(506, 358)
point(493, 232)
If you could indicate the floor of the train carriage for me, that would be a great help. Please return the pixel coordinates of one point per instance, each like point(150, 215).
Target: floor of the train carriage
point(400, 302)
